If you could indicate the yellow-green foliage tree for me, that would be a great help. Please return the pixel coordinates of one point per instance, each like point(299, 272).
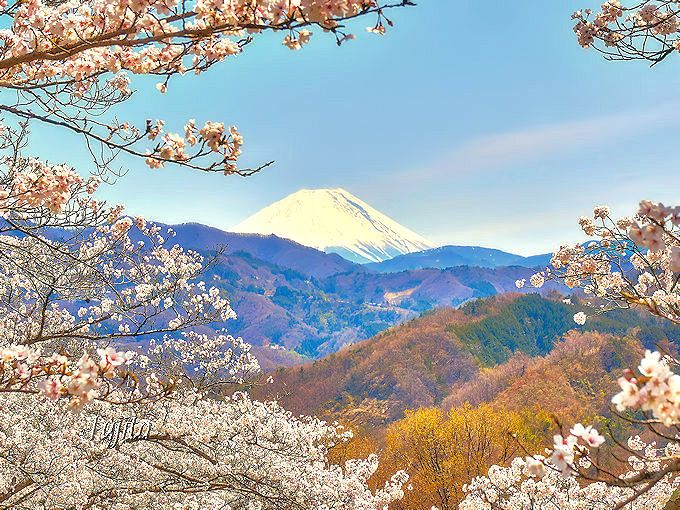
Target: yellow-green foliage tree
point(443, 451)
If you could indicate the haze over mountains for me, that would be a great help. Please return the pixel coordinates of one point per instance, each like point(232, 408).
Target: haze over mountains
point(295, 302)
point(335, 221)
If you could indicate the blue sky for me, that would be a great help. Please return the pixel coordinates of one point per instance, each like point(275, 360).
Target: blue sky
point(470, 122)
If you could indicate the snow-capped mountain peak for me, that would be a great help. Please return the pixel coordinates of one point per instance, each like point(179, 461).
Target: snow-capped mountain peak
point(335, 221)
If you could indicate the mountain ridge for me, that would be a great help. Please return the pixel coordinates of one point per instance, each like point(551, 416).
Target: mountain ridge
point(270, 248)
point(293, 301)
point(457, 255)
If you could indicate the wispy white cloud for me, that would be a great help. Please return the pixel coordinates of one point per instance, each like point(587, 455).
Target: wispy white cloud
point(507, 149)
point(494, 190)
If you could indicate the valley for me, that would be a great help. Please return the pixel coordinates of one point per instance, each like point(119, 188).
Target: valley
point(295, 303)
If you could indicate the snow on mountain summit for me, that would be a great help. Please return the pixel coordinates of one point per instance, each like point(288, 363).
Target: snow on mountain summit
point(335, 221)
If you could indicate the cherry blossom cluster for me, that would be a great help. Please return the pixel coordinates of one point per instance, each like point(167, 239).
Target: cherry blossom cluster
point(201, 358)
point(74, 40)
point(73, 59)
point(200, 453)
point(530, 483)
point(567, 450)
point(124, 289)
point(30, 183)
point(631, 261)
point(296, 42)
point(570, 472)
point(640, 30)
point(656, 389)
point(26, 370)
point(41, 184)
point(66, 293)
point(213, 137)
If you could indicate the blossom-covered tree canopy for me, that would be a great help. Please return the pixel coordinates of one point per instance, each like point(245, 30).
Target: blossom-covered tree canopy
point(104, 323)
point(70, 298)
point(640, 30)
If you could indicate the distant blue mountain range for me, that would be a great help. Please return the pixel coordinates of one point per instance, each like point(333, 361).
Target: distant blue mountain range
point(295, 302)
point(296, 299)
point(287, 253)
point(452, 256)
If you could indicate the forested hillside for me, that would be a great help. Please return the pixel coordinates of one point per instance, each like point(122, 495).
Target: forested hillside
point(425, 361)
point(303, 303)
point(494, 416)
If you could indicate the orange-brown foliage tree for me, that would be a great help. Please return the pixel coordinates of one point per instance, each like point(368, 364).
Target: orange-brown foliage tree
point(443, 451)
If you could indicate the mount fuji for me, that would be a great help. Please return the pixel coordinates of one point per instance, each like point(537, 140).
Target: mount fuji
point(335, 221)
